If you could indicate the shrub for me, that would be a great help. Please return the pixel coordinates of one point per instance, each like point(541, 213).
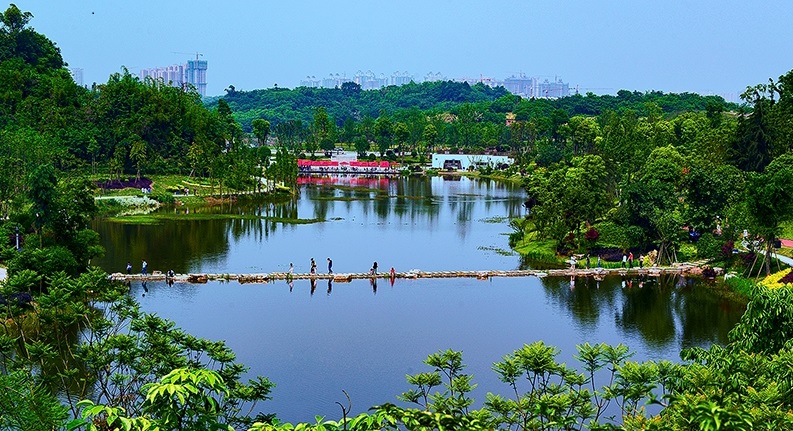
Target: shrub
point(708, 247)
point(726, 250)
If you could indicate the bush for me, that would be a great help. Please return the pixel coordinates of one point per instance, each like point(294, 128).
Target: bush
point(612, 235)
point(686, 252)
point(708, 247)
point(47, 260)
point(163, 198)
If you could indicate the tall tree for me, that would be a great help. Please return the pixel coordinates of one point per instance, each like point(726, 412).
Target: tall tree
point(754, 145)
point(261, 130)
point(769, 201)
point(384, 132)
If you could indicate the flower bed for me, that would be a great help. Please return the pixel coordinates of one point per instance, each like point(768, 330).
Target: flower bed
point(778, 279)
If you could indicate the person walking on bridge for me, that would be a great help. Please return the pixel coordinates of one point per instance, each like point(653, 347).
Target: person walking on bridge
point(330, 266)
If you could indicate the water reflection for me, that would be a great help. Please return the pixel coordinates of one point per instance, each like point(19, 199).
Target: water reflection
point(291, 336)
point(395, 214)
point(664, 310)
point(431, 224)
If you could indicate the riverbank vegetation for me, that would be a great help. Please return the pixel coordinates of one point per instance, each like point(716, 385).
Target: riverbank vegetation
point(76, 351)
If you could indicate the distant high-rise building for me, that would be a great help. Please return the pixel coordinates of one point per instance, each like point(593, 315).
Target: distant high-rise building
point(521, 85)
point(335, 81)
point(77, 75)
point(553, 90)
point(401, 78)
point(311, 82)
point(194, 73)
point(430, 77)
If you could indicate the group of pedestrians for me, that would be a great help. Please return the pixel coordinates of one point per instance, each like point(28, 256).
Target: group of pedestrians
point(144, 267)
point(628, 259)
point(313, 268)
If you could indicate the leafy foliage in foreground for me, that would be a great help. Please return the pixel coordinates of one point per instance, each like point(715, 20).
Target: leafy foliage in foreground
point(742, 386)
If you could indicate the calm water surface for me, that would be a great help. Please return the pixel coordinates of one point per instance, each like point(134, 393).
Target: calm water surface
point(316, 340)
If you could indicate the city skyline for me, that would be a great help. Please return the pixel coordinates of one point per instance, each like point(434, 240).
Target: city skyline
point(703, 47)
point(521, 85)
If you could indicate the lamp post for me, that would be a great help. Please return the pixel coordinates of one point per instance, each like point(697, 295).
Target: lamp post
point(16, 231)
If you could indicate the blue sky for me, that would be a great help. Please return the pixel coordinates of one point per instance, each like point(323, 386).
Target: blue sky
point(708, 46)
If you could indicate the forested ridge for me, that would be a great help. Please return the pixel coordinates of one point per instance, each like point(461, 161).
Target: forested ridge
point(279, 105)
point(76, 351)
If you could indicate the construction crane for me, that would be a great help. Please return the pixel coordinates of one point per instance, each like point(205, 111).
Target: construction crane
point(589, 89)
point(197, 54)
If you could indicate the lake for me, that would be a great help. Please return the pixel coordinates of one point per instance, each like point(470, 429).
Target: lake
point(315, 340)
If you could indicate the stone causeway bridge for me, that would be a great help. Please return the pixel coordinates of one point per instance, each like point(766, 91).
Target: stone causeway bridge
point(598, 273)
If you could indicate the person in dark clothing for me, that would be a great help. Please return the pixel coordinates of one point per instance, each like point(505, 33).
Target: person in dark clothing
point(374, 268)
point(129, 267)
point(144, 267)
point(330, 266)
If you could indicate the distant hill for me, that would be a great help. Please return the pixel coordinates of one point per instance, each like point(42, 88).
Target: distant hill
point(279, 105)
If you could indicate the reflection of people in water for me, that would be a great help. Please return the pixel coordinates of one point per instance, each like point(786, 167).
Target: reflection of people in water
point(572, 282)
point(291, 284)
point(330, 285)
point(313, 286)
point(373, 282)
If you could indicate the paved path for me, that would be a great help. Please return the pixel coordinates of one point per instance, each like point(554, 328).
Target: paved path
point(3, 273)
point(784, 259)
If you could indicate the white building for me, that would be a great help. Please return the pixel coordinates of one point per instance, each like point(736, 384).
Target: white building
point(77, 75)
point(464, 161)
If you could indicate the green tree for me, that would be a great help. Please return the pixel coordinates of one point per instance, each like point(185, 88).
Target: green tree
point(26, 405)
point(430, 136)
point(401, 135)
point(42, 193)
point(137, 152)
point(384, 132)
point(754, 145)
point(361, 145)
point(261, 130)
point(654, 200)
point(768, 201)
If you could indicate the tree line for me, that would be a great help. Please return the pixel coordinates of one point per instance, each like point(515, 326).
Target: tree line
point(652, 182)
